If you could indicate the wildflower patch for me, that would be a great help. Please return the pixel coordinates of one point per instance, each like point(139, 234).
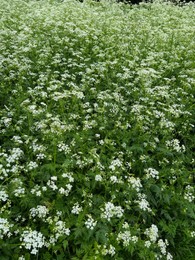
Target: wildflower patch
point(96, 130)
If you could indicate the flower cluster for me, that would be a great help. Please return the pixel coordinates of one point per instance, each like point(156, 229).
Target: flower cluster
point(3, 195)
point(90, 223)
point(98, 177)
point(76, 209)
point(152, 173)
point(175, 145)
point(189, 193)
point(143, 203)
point(115, 163)
point(152, 233)
point(61, 229)
point(5, 227)
point(39, 211)
point(32, 240)
point(96, 130)
point(108, 250)
point(110, 210)
point(126, 238)
point(135, 183)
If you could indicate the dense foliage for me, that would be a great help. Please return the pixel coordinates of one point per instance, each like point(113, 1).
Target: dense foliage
point(96, 130)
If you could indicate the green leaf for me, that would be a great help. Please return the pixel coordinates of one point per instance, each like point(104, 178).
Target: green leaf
point(65, 244)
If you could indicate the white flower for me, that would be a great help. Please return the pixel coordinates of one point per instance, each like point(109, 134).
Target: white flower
point(5, 228)
point(147, 243)
point(152, 173)
point(15, 155)
point(118, 211)
point(175, 145)
point(189, 193)
point(3, 195)
point(126, 237)
point(143, 203)
point(40, 211)
point(36, 190)
point(38, 193)
point(76, 209)
point(32, 240)
point(169, 256)
point(101, 142)
point(135, 183)
point(17, 139)
point(134, 239)
point(63, 148)
point(3, 172)
point(62, 191)
point(7, 121)
point(115, 163)
point(163, 247)
point(152, 233)
point(54, 178)
point(21, 258)
point(52, 185)
point(111, 211)
point(68, 175)
point(68, 189)
point(44, 188)
point(32, 165)
point(19, 192)
point(52, 240)
point(90, 223)
point(98, 177)
point(109, 251)
point(125, 225)
point(192, 234)
point(40, 156)
point(60, 229)
point(113, 179)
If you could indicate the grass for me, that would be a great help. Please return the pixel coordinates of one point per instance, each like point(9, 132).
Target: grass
point(96, 130)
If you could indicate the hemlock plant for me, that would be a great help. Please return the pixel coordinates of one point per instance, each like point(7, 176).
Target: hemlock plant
point(96, 130)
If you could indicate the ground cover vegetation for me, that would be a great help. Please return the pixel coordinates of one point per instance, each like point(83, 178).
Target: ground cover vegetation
point(96, 130)
point(133, 2)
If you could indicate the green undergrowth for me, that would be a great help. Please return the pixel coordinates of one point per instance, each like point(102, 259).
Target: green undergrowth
point(97, 130)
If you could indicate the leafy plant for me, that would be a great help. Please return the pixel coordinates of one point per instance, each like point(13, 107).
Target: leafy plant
point(97, 130)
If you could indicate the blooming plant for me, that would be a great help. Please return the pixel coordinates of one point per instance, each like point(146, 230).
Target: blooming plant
point(96, 130)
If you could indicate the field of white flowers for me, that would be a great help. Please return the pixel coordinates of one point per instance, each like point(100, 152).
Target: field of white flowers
point(97, 130)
